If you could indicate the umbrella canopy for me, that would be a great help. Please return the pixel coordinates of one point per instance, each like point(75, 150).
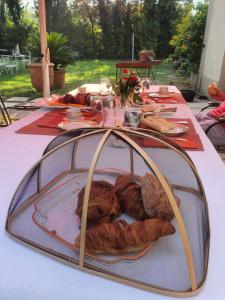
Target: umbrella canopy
point(44, 48)
point(17, 50)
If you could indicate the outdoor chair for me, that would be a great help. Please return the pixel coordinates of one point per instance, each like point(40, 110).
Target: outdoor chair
point(4, 60)
point(12, 67)
point(27, 59)
point(211, 104)
point(4, 113)
point(218, 147)
point(2, 65)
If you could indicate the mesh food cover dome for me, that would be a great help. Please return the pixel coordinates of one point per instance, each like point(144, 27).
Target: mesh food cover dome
point(127, 205)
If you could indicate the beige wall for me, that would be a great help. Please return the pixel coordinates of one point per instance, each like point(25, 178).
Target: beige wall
point(213, 61)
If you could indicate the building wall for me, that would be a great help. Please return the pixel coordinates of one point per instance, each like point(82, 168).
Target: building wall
point(212, 65)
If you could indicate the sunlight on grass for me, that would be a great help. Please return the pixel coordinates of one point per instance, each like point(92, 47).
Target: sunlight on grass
point(78, 73)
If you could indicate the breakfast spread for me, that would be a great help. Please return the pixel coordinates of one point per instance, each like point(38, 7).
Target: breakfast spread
point(140, 197)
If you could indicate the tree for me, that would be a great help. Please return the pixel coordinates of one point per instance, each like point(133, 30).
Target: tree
point(105, 22)
point(167, 18)
point(150, 25)
point(15, 10)
point(128, 30)
point(58, 16)
point(118, 30)
point(188, 40)
point(15, 25)
point(86, 12)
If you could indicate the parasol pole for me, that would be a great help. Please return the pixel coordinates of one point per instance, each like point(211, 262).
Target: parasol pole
point(44, 48)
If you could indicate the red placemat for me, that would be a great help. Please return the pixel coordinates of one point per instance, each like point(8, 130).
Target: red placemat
point(189, 140)
point(169, 100)
point(51, 119)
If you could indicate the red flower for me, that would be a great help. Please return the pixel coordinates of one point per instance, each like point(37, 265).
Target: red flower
point(125, 71)
point(125, 78)
point(133, 78)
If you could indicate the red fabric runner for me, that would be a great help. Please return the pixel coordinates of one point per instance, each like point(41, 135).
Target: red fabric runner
point(189, 140)
point(169, 100)
point(52, 118)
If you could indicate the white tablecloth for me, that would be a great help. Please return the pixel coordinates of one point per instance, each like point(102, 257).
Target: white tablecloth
point(26, 274)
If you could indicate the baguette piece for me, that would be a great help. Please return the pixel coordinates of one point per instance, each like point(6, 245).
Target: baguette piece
point(158, 124)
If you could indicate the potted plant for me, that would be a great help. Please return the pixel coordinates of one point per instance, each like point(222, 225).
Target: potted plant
point(60, 56)
point(35, 67)
point(147, 55)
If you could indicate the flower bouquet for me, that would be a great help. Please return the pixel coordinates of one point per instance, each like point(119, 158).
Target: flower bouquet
point(127, 86)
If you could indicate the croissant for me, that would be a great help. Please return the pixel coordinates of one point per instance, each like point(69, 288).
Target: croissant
point(143, 197)
point(130, 197)
point(103, 204)
point(120, 237)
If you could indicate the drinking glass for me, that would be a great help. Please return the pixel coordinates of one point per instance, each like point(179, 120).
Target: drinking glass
point(104, 85)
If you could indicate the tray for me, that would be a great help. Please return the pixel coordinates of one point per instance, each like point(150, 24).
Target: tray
point(53, 102)
point(69, 125)
point(55, 214)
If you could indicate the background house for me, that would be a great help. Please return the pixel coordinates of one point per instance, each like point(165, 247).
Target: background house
point(212, 67)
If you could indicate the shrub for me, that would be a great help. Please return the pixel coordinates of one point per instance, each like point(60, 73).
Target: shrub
point(188, 41)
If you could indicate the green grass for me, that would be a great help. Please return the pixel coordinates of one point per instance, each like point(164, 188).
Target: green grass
point(87, 71)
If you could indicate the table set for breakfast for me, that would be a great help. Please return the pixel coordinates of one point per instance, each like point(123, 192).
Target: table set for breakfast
point(53, 153)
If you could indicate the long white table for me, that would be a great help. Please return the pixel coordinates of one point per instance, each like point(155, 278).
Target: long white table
point(26, 274)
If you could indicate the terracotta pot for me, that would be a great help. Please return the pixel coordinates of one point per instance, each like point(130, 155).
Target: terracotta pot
point(35, 71)
point(59, 78)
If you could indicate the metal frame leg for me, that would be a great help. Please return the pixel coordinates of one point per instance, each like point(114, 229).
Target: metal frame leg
point(4, 112)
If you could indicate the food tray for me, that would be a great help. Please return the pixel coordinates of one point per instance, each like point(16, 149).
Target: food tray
point(55, 214)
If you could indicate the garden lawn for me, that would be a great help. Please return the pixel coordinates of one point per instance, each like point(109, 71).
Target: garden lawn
point(86, 71)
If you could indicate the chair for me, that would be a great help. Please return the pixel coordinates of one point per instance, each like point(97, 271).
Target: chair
point(11, 67)
point(220, 121)
point(213, 103)
point(142, 68)
point(4, 113)
point(2, 65)
point(4, 60)
point(27, 59)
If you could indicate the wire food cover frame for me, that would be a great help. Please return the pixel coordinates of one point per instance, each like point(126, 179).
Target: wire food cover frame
point(22, 200)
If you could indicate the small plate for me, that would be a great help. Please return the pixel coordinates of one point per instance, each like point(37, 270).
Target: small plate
point(66, 125)
point(179, 130)
point(52, 102)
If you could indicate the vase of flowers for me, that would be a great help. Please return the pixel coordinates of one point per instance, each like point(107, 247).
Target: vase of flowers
point(125, 87)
